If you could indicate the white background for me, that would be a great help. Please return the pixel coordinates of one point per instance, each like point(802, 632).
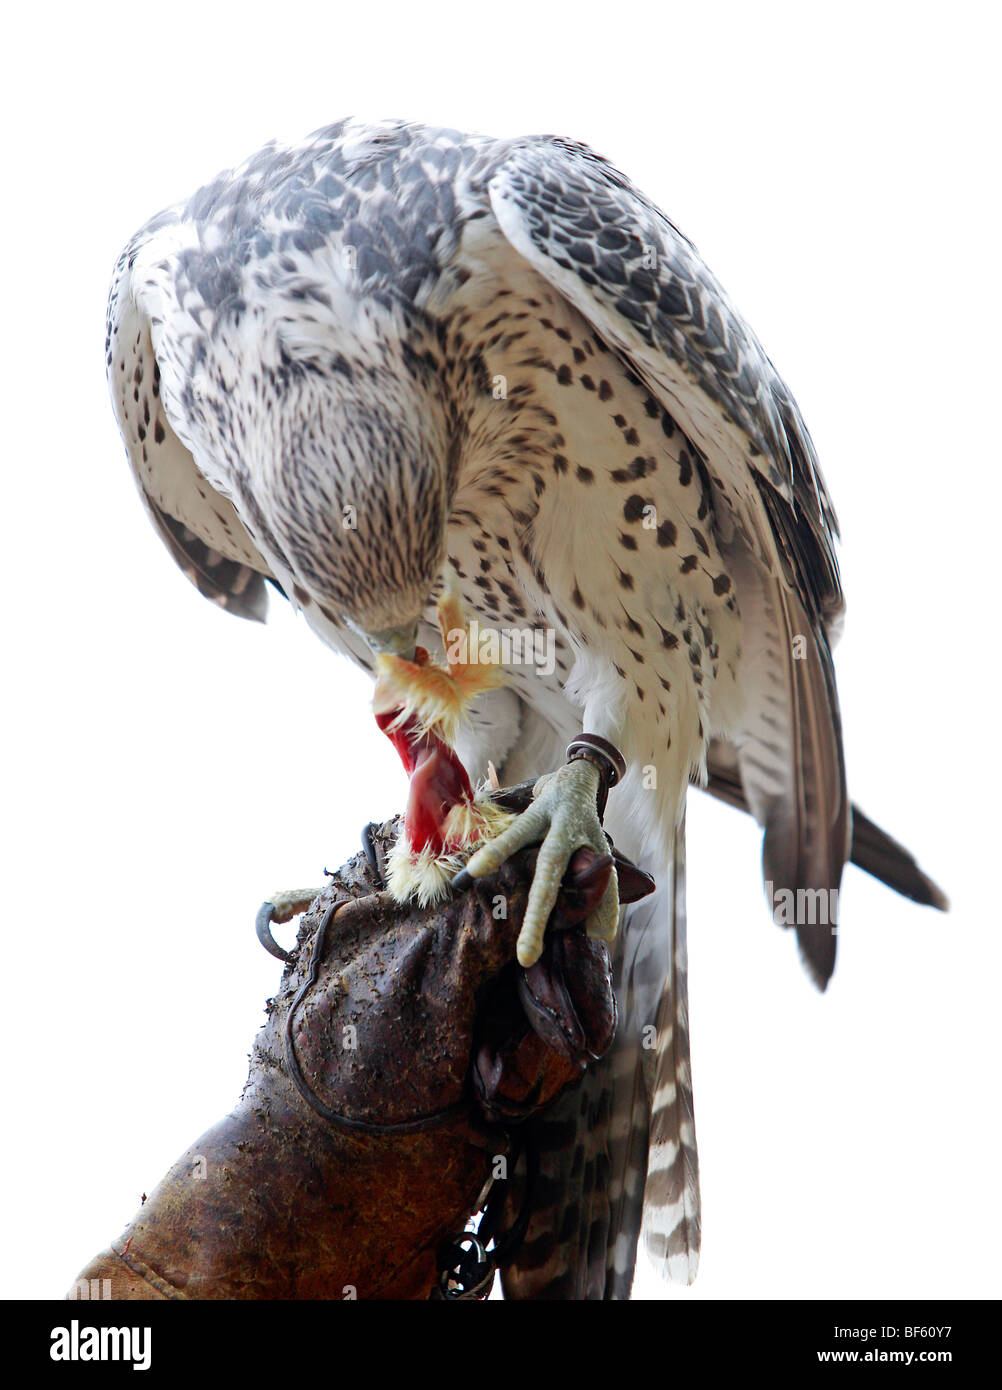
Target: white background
point(166, 766)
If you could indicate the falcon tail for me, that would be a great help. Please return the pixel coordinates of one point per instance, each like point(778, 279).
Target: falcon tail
point(671, 1217)
point(616, 1154)
point(878, 854)
point(873, 850)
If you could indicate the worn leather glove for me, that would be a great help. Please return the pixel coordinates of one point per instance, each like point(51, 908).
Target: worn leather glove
point(402, 1047)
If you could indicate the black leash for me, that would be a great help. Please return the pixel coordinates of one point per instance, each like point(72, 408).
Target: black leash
point(466, 1266)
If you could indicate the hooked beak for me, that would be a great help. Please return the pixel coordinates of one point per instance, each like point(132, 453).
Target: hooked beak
point(394, 641)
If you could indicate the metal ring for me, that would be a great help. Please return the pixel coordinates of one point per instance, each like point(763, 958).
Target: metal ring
point(469, 1281)
point(475, 1241)
point(613, 761)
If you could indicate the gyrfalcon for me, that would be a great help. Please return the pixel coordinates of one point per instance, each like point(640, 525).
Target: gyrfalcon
point(392, 361)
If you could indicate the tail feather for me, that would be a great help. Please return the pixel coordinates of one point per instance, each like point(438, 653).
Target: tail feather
point(629, 1134)
point(563, 1254)
point(671, 1221)
point(880, 855)
point(792, 764)
point(873, 850)
point(617, 1153)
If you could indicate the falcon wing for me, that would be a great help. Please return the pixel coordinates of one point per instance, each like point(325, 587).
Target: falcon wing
point(643, 286)
point(199, 526)
point(646, 292)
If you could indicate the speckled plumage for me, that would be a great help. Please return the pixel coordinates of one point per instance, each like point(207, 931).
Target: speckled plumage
point(391, 355)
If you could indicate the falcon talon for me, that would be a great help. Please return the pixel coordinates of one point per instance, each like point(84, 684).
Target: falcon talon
point(563, 817)
point(281, 907)
point(262, 929)
point(369, 846)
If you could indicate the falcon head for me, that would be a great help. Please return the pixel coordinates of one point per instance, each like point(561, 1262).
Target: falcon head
point(387, 545)
point(365, 459)
point(369, 465)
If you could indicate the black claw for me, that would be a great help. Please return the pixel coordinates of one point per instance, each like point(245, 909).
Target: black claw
point(369, 846)
point(463, 880)
point(262, 926)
